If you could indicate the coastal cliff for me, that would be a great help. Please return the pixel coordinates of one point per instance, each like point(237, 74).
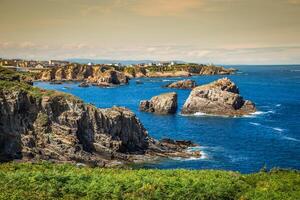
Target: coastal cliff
point(177, 70)
point(38, 124)
point(96, 75)
point(99, 75)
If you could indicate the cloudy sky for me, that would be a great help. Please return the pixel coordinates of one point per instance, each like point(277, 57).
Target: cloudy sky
point(205, 31)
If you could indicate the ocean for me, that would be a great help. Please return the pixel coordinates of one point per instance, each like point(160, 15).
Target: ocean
point(269, 138)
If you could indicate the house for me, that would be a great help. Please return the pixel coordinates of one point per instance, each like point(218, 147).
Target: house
point(58, 63)
point(40, 66)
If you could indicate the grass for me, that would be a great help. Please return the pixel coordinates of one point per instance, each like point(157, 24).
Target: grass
point(11, 81)
point(65, 181)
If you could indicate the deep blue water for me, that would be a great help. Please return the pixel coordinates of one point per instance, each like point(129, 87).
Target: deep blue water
point(271, 138)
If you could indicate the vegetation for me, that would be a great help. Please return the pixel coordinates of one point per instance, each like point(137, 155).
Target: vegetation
point(11, 81)
point(65, 181)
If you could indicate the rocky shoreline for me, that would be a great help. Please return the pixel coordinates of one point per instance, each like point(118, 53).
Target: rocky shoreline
point(107, 76)
point(39, 124)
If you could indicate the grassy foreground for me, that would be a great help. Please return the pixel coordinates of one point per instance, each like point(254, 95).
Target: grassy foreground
point(64, 181)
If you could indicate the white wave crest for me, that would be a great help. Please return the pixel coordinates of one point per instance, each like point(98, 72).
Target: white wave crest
point(291, 138)
point(254, 123)
point(193, 149)
point(278, 129)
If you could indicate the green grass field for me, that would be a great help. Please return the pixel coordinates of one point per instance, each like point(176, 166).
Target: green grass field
point(64, 181)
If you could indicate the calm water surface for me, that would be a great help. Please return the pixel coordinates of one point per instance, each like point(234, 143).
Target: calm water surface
point(270, 138)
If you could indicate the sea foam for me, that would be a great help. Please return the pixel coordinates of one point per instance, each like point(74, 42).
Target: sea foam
point(291, 138)
point(278, 129)
point(254, 123)
point(193, 149)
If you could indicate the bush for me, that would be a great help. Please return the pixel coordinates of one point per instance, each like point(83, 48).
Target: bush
point(65, 181)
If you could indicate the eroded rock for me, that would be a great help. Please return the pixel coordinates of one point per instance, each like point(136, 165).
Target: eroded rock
point(183, 84)
point(162, 104)
point(220, 97)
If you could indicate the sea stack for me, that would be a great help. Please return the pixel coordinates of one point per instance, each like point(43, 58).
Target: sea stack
point(183, 84)
point(162, 104)
point(220, 97)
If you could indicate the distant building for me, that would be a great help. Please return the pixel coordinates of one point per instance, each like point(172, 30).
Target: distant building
point(58, 63)
point(40, 66)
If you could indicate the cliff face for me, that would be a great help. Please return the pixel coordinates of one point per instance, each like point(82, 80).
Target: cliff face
point(38, 124)
point(100, 75)
point(61, 127)
point(91, 74)
point(177, 70)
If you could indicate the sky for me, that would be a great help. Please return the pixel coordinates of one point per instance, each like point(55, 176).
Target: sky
point(203, 31)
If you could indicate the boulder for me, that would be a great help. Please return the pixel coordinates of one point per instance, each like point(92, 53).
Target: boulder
point(183, 84)
point(161, 104)
point(83, 84)
point(220, 97)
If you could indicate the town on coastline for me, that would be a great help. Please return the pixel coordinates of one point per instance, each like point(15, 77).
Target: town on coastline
point(57, 71)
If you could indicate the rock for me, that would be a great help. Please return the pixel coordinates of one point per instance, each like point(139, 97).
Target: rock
point(84, 84)
point(161, 104)
point(59, 127)
point(139, 82)
point(112, 77)
point(90, 74)
point(183, 84)
point(220, 97)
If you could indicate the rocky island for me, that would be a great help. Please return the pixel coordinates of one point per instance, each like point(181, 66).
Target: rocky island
point(161, 104)
point(37, 124)
point(220, 97)
point(183, 84)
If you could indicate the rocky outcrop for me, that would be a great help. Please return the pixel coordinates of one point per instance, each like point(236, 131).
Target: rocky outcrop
point(161, 104)
point(37, 124)
point(168, 74)
point(83, 84)
point(220, 97)
point(111, 77)
point(93, 74)
point(183, 84)
point(178, 70)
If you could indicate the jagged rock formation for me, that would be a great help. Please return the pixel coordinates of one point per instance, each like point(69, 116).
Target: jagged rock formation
point(109, 76)
point(220, 97)
point(103, 75)
point(184, 70)
point(38, 124)
point(161, 104)
point(92, 74)
point(84, 84)
point(183, 84)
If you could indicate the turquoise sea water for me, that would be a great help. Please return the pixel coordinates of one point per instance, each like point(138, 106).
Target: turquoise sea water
point(269, 138)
